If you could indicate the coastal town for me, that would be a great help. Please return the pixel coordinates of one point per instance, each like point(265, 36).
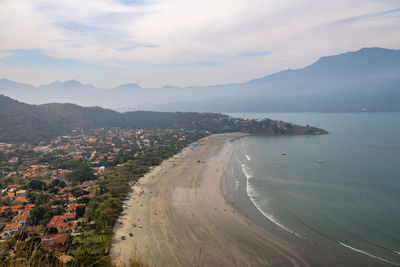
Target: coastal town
point(62, 198)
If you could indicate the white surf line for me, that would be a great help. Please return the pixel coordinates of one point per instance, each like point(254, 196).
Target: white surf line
point(236, 180)
point(250, 194)
point(368, 254)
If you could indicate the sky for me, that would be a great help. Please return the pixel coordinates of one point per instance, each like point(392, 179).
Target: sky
point(183, 42)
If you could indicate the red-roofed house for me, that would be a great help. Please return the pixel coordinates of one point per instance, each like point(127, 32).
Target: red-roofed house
point(54, 242)
point(4, 208)
point(16, 208)
point(24, 211)
point(72, 208)
point(89, 183)
point(63, 223)
point(70, 217)
point(20, 200)
point(10, 229)
point(33, 228)
point(12, 186)
point(19, 218)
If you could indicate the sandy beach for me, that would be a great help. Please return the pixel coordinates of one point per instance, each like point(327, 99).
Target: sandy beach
point(183, 219)
point(179, 215)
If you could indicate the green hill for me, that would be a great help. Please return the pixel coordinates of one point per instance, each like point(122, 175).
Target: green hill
point(20, 122)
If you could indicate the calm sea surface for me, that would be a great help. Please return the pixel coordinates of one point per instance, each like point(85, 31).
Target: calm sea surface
point(344, 186)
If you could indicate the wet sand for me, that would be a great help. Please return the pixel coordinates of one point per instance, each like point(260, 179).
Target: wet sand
point(183, 218)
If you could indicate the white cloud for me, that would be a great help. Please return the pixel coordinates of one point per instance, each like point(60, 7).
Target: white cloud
point(142, 40)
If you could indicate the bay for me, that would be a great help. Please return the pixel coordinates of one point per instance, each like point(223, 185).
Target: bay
point(344, 186)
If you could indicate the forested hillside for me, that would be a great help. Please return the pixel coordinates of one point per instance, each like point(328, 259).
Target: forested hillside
point(20, 122)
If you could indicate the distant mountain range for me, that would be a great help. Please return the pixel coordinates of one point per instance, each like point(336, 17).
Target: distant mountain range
point(365, 80)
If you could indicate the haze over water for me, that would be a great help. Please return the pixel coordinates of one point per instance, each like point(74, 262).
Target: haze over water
point(352, 197)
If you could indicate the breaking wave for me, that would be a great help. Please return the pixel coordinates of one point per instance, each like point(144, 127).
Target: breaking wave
point(368, 254)
point(251, 192)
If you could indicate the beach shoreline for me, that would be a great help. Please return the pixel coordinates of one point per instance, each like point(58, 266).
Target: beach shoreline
point(182, 214)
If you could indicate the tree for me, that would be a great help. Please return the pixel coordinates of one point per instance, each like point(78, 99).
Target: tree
point(82, 173)
point(50, 230)
point(36, 185)
point(39, 215)
point(8, 215)
point(53, 190)
point(42, 199)
point(80, 211)
point(83, 200)
point(58, 183)
point(32, 196)
point(76, 192)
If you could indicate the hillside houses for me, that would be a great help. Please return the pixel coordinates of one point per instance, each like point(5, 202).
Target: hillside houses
point(58, 192)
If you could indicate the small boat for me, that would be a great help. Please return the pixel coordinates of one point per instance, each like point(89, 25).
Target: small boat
point(283, 154)
point(320, 161)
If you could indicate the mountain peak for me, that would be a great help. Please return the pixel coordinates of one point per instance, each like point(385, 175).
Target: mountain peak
point(374, 58)
point(128, 86)
point(72, 82)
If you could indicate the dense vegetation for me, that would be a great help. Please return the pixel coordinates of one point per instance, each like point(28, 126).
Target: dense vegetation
point(20, 122)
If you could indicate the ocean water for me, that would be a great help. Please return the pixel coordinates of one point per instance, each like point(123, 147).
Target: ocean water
point(343, 187)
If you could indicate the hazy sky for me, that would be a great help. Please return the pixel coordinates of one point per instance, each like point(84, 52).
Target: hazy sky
point(183, 42)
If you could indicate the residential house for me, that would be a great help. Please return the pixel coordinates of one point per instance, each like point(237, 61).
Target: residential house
point(3, 209)
point(30, 206)
point(21, 193)
point(89, 183)
point(10, 229)
point(33, 228)
point(54, 243)
point(71, 209)
point(20, 200)
point(63, 223)
point(12, 187)
point(17, 208)
point(20, 219)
